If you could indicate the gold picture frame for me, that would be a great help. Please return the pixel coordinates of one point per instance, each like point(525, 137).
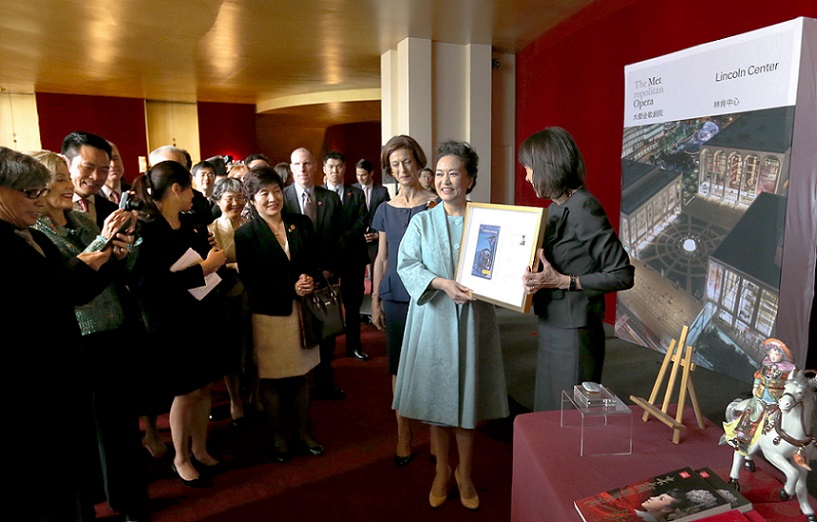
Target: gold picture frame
point(498, 241)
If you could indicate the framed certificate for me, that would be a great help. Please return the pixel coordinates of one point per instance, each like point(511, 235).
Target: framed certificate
point(498, 242)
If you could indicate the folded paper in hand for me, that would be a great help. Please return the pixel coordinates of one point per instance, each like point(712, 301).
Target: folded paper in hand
point(188, 259)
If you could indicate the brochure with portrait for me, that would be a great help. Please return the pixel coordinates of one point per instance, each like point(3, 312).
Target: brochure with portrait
point(680, 495)
point(736, 500)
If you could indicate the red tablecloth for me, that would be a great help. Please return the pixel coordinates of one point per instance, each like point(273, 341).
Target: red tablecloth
point(549, 474)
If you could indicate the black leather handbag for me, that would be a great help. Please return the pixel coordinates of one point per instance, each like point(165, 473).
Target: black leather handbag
point(321, 315)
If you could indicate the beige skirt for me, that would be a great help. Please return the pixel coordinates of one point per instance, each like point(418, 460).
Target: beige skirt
point(277, 346)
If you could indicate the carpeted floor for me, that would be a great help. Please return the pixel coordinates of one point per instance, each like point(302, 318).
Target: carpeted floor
point(356, 480)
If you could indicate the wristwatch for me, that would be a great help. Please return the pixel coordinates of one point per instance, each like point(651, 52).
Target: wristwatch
point(572, 286)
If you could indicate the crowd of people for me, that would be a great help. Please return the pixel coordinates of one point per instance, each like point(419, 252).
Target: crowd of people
point(122, 272)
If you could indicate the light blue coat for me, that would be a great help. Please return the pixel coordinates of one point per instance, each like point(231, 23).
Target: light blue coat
point(451, 370)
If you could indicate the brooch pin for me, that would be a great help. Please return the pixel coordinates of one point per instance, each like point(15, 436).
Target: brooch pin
point(320, 203)
point(291, 228)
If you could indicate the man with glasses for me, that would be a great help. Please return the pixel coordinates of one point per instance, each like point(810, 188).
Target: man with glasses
point(323, 207)
point(89, 160)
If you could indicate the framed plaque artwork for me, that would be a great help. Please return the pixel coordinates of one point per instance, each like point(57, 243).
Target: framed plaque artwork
point(498, 242)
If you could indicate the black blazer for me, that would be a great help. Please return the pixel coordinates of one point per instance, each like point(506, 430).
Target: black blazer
point(163, 296)
point(204, 211)
point(328, 224)
point(380, 195)
point(352, 247)
point(268, 276)
point(104, 208)
point(39, 295)
point(579, 240)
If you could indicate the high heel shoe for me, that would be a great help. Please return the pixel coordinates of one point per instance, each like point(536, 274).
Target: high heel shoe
point(312, 447)
point(207, 469)
point(468, 503)
point(402, 462)
point(156, 448)
point(280, 453)
point(437, 501)
point(198, 482)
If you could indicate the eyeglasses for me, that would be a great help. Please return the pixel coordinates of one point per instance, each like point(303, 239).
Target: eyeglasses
point(34, 193)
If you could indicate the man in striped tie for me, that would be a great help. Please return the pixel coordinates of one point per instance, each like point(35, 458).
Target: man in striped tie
point(89, 160)
point(324, 209)
point(114, 186)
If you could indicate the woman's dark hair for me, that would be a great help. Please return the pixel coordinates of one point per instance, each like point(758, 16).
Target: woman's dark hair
point(154, 185)
point(256, 156)
point(465, 153)
point(227, 185)
point(364, 164)
point(283, 170)
point(678, 495)
point(555, 160)
point(258, 178)
point(401, 142)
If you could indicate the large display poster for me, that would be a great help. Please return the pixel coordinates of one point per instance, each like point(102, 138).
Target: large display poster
point(709, 158)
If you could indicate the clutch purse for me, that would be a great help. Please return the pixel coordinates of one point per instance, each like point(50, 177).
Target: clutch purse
point(321, 315)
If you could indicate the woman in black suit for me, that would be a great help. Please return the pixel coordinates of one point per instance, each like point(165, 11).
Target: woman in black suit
point(581, 260)
point(171, 313)
point(276, 254)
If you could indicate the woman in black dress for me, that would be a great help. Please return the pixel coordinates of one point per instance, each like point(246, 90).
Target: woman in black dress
point(171, 312)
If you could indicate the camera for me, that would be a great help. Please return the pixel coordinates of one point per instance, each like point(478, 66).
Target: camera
point(130, 201)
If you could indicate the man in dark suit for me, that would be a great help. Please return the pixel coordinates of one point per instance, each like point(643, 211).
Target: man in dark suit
point(114, 418)
point(324, 208)
point(375, 195)
point(353, 252)
point(89, 159)
point(114, 186)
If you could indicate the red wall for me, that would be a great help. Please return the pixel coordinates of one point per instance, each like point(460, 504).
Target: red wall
point(573, 75)
point(120, 120)
point(355, 141)
point(224, 128)
point(227, 128)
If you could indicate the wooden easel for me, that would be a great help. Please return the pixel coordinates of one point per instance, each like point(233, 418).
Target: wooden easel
point(676, 357)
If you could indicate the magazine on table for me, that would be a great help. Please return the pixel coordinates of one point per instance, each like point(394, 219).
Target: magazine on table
point(736, 500)
point(676, 496)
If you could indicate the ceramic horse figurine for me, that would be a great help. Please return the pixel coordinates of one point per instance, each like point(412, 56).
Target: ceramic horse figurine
point(787, 440)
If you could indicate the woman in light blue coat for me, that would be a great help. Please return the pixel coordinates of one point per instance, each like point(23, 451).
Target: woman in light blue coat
point(450, 373)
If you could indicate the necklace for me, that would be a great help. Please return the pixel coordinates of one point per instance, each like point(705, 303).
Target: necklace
point(278, 228)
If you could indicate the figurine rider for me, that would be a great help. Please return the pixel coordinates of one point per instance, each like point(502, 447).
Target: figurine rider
point(766, 390)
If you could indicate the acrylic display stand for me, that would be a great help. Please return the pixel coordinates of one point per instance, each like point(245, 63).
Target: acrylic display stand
point(677, 358)
point(606, 428)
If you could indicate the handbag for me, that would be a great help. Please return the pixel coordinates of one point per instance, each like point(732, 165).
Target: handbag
point(321, 315)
